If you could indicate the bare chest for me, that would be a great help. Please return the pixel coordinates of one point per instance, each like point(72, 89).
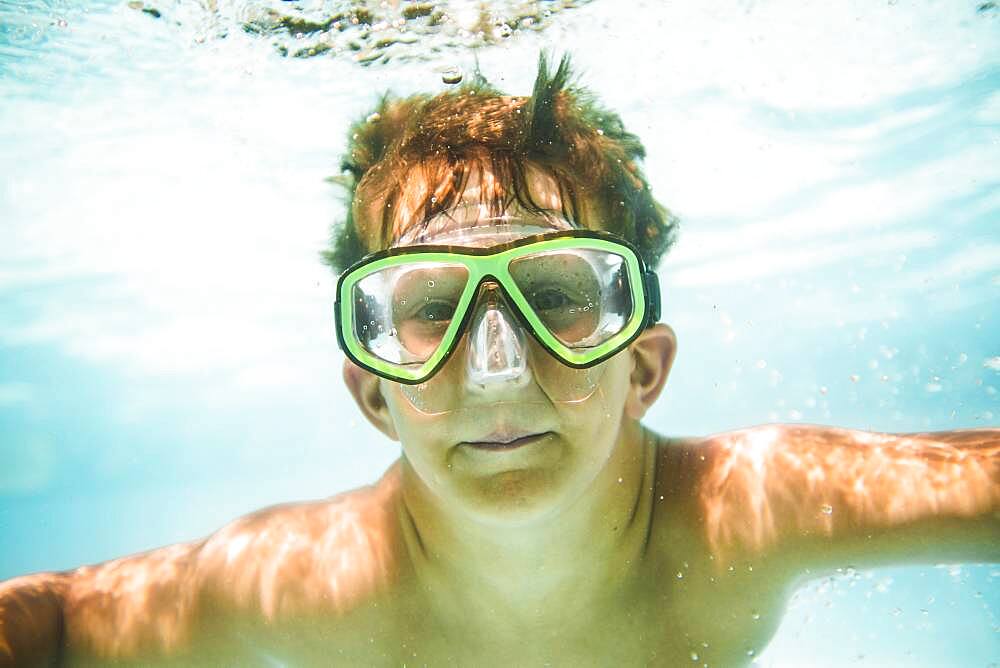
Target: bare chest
point(668, 625)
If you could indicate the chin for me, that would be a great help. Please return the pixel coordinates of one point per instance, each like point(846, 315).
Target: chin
point(517, 497)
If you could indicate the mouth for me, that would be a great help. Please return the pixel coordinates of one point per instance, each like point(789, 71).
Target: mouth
point(506, 440)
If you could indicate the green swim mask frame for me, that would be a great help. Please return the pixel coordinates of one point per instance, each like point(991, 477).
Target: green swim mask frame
point(493, 264)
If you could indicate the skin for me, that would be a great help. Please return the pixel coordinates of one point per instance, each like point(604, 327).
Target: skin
point(600, 543)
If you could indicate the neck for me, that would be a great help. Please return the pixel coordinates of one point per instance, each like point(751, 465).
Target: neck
point(553, 566)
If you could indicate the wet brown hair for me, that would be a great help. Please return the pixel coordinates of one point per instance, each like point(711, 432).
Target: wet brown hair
point(410, 160)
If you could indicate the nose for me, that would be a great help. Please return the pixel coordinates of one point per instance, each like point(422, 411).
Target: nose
point(497, 354)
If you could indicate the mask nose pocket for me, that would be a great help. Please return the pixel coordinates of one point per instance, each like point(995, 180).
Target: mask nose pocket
point(497, 344)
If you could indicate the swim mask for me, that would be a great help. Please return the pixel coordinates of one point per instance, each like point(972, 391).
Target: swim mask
point(582, 295)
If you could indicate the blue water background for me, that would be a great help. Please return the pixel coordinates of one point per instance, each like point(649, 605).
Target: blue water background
point(167, 361)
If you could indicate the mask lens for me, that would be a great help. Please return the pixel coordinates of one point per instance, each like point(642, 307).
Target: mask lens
point(402, 313)
point(582, 296)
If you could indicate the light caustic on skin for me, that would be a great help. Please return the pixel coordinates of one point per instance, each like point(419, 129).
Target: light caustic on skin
point(757, 489)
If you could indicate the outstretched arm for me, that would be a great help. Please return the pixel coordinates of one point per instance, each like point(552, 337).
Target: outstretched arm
point(324, 557)
point(815, 497)
point(139, 603)
point(31, 620)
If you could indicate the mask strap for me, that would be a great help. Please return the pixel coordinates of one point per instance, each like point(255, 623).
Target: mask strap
point(651, 283)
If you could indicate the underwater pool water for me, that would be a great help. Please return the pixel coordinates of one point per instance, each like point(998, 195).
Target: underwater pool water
point(167, 355)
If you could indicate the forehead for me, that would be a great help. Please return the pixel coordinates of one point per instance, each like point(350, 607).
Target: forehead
point(472, 214)
point(485, 232)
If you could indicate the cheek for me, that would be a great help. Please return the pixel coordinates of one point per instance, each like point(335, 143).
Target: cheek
point(412, 425)
point(593, 422)
point(422, 436)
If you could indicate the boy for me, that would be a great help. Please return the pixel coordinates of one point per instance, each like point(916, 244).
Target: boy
point(499, 311)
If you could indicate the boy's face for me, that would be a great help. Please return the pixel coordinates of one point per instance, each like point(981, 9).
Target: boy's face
point(513, 449)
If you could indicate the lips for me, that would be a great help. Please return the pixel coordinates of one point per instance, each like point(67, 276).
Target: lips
point(506, 439)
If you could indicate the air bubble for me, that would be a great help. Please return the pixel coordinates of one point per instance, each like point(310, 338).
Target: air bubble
point(452, 75)
point(430, 284)
point(826, 509)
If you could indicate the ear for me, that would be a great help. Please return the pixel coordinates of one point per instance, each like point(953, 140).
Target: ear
point(365, 387)
point(652, 356)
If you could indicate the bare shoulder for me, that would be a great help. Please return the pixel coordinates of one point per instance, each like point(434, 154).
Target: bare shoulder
point(725, 481)
point(733, 462)
point(720, 488)
point(321, 556)
point(120, 607)
point(729, 602)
